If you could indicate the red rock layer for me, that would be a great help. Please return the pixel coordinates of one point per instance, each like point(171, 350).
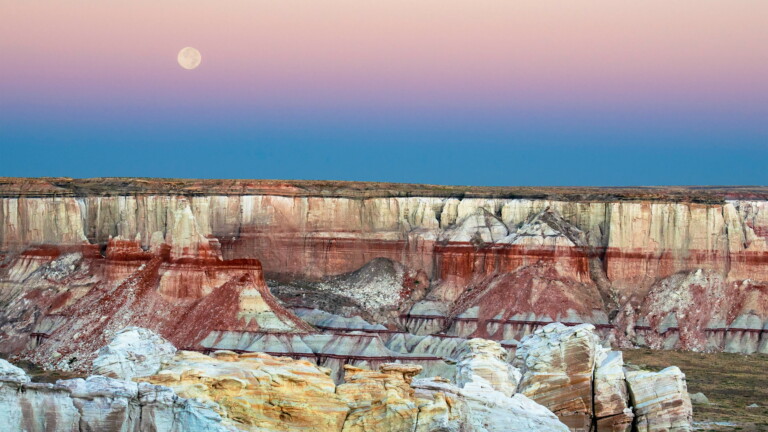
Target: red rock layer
point(183, 300)
point(537, 290)
point(289, 255)
point(458, 265)
point(621, 241)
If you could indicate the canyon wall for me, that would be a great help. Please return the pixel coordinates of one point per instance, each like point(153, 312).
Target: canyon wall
point(663, 267)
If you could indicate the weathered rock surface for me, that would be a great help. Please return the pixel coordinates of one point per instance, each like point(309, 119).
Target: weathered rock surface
point(484, 361)
point(557, 364)
point(482, 258)
point(566, 370)
point(261, 392)
point(385, 401)
point(134, 352)
point(611, 399)
point(485, 409)
point(380, 291)
point(660, 400)
point(97, 404)
point(257, 390)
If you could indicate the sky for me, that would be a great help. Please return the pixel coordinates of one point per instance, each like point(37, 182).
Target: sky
point(481, 92)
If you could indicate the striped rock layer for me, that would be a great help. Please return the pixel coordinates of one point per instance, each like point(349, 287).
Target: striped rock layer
point(81, 259)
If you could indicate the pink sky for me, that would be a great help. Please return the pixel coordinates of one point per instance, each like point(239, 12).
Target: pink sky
point(688, 60)
point(509, 73)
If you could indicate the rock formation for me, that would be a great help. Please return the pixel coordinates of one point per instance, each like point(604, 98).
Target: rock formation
point(254, 391)
point(484, 361)
point(258, 390)
point(485, 409)
point(557, 364)
point(612, 412)
point(384, 400)
point(660, 400)
point(97, 404)
point(61, 305)
point(467, 262)
point(261, 391)
point(134, 352)
point(566, 370)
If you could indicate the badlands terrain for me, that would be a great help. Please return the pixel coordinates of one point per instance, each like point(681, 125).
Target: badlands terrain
point(289, 305)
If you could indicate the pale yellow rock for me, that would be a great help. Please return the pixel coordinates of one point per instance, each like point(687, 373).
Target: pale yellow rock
point(380, 401)
point(258, 391)
point(485, 361)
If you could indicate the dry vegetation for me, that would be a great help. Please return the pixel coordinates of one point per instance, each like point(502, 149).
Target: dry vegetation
point(732, 382)
point(61, 186)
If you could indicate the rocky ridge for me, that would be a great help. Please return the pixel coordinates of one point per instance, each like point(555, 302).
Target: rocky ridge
point(466, 262)
point(251, 392)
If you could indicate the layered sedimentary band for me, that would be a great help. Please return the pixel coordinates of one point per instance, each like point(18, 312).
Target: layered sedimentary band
point(663, 267)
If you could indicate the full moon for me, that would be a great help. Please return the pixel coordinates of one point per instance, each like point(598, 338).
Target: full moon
point(189, 58)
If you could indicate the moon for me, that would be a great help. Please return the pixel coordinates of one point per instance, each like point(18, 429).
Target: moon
point(189, 58)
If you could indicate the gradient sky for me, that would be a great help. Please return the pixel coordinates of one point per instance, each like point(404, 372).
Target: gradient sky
point(481, 92)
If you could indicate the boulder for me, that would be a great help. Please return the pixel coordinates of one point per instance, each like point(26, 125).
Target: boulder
point(699, 399)
point(483, 409)
point(611, 398)
point(484, 361)
point(133, 352)
point(557, 364)
point(660, 400)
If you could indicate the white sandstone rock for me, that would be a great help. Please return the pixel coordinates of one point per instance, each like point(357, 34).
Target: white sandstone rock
point(558, 363)
point(133, 352)
point(488, 410)
point(611, 398)
point(9, 372)
point(660, 400)
point(99, 404)
point(484, 362)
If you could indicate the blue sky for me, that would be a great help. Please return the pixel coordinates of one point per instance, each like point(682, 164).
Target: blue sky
point(493, 92)
point(448, 152)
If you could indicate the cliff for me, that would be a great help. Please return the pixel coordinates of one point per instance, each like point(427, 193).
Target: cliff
point(455, 261)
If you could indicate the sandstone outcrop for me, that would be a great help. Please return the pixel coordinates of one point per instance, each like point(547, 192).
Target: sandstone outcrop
point(660, 400)
point(134, 352)
point(384, 400)
point(557, 365)
point(97, 404)
point(587, 386)
point(261, 392)
point(258, 391)
point(482, 257)
point(612, 412)
point(484, 409)
point(484, 361)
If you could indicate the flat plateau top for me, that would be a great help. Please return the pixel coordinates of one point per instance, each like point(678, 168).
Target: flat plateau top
point(115, 186)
